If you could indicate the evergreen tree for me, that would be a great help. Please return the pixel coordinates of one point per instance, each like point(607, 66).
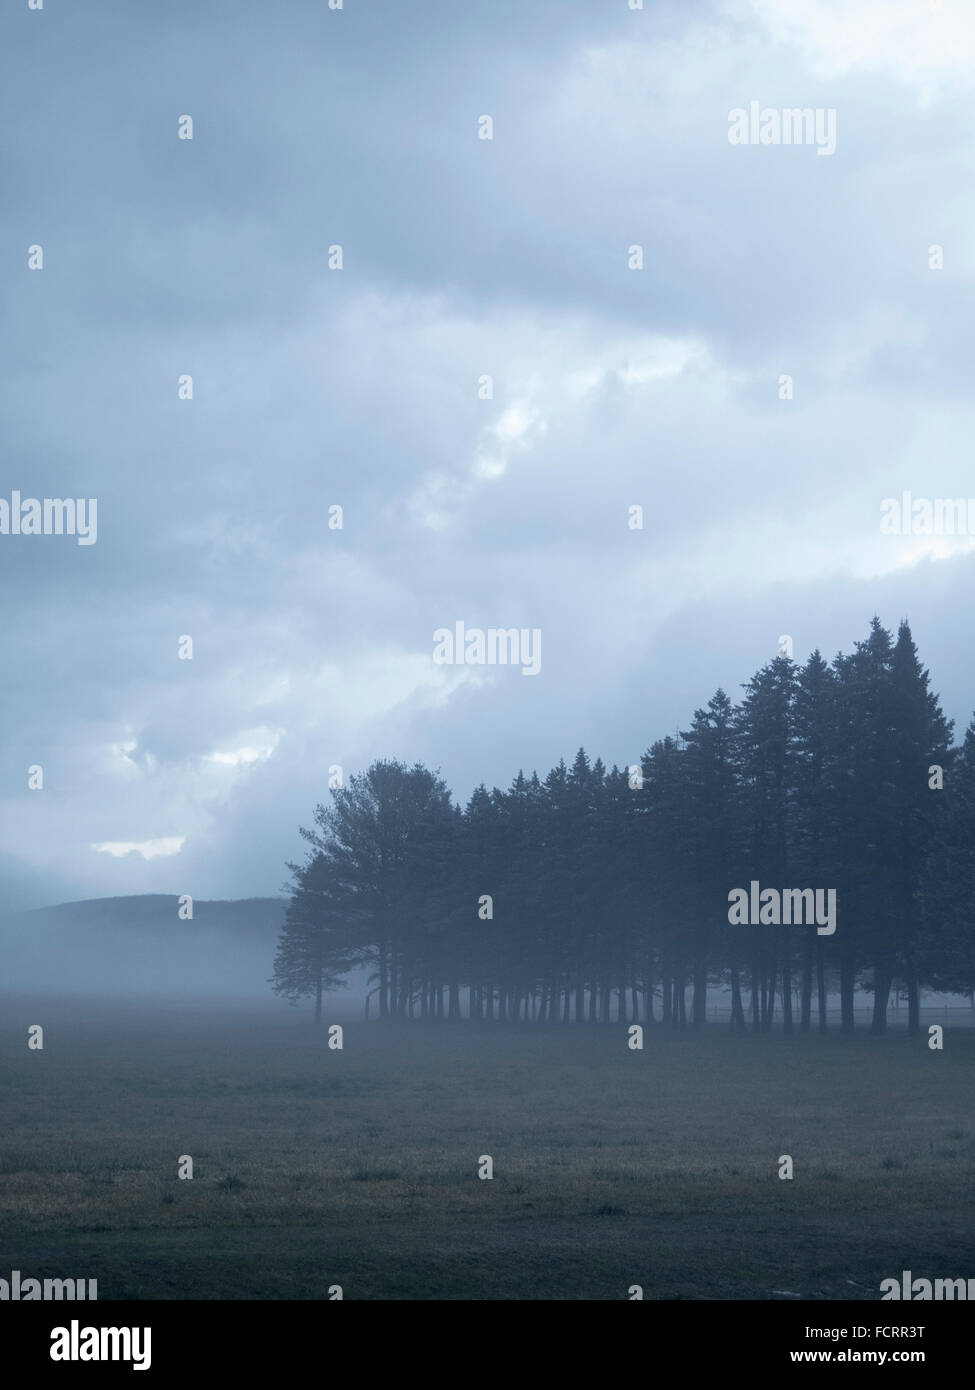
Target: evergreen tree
point(315, 949)
point(818, 745)
point(603, 892)
point(710, 811)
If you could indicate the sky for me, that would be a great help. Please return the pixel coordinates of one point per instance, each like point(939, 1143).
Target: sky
point(362, 387)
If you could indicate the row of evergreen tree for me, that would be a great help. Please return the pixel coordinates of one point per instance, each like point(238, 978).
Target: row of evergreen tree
point(597, 895)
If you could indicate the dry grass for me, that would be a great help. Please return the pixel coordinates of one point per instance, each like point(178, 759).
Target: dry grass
point(358, 1167)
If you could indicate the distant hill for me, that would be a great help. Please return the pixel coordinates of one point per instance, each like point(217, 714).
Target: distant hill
point(248, 916)
point(140, 944)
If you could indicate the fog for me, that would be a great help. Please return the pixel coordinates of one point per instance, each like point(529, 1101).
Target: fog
point(140, 947)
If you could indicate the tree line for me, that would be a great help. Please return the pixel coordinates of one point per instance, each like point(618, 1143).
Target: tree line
point(601, 894)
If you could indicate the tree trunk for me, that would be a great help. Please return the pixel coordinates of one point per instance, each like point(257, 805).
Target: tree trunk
point(807, 981)
point(913, 1001)
point(881, 994)
point(756, 973)
point(737, 1011)
point(383, 983)
point(769, 1002)
point(847, 987)
point(700, 1005)
point(786, 986)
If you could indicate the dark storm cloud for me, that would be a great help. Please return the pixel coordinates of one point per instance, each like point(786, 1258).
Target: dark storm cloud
point(314, 388)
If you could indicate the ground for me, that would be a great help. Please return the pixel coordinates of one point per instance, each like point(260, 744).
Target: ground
point(315, 1167)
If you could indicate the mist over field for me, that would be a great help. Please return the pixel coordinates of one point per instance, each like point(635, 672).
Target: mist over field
point(140, 946)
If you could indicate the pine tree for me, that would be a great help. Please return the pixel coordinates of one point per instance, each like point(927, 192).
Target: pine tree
point(604, 891)
point(919, 736)
point(764, 740)
point(818, 746)
point(946, 942)
point(315, 948)
point(710, 812)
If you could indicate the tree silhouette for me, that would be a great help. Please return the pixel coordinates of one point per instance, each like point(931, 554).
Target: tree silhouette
point(587, 895)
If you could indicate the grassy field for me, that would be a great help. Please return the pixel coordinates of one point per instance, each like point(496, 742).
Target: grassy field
point(359, 1167)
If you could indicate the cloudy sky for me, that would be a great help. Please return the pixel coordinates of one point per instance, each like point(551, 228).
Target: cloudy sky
point(462, 257)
